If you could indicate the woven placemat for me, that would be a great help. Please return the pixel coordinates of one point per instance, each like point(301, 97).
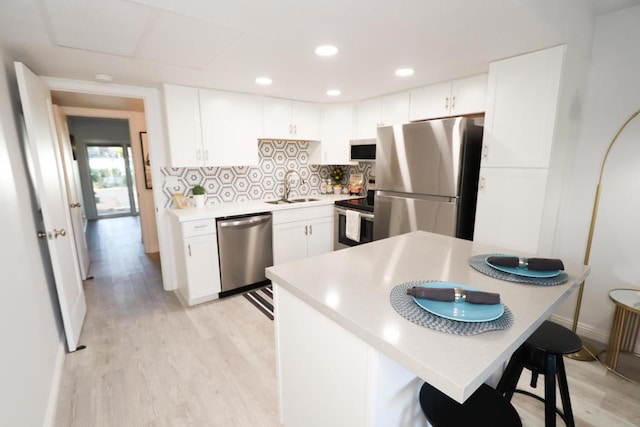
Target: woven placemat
point(406, 307)
point(478, 262)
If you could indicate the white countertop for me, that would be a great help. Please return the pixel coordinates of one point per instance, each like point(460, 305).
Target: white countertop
point(352, 288)
point(217, 210)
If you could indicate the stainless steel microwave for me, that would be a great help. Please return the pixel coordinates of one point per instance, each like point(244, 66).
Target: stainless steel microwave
point(362, 150)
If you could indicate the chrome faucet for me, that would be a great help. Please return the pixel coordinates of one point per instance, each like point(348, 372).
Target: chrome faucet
point(287, 189)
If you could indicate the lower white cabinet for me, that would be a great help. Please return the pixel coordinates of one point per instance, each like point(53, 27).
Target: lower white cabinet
point(510, 207)
point(298, 233)
point(197, 261)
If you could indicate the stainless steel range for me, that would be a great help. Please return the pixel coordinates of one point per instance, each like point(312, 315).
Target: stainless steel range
point(364, 208)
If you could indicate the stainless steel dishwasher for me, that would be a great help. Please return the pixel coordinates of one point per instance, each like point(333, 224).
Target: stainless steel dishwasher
point(245, 249)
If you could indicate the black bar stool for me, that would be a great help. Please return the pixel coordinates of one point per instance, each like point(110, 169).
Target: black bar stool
point(542, 354)
point(485, 407)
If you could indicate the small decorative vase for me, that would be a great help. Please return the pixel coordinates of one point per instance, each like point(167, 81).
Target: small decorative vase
point(198, 200)
point(337, 189)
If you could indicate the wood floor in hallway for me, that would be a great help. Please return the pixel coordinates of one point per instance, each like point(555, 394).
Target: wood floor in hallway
point(150, 361)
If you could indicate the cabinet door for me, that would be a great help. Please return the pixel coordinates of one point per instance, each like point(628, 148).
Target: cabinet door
point(230, 128)
point(306, 121)
point(337, 130)
point(320, 236)
point(368, 118)
point(201, 259)
point(469, 95)
point(430, 102)
point(522, 99)
point(183, 122)
point(510, 207)
point(276, 118)
point(289, 241)
point(395, 109)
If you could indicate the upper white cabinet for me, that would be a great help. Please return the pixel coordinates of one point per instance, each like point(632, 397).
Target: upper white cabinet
point(522, 104)
point(183, 122)
point(337, 130)
point(286, 119)
point(382, 111)
point(453, 98)
point(212, 128)
point(231, 124)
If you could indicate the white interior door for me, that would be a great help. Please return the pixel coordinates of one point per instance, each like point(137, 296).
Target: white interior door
point(74, 192)
point(52, 198)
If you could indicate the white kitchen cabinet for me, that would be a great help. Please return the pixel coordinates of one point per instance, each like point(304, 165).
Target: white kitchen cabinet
point(212, 128)
point(453, 98)
point(522, 105)
point(197, 260)
point(510, 207)
point(382, 111)
point(183, 122)
point(529, 141)
point(298, 233)
point(231, 124)
point(286, 119)
point(337, 130)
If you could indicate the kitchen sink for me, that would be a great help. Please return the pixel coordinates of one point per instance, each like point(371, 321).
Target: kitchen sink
point(307, 199)
point(279, 202)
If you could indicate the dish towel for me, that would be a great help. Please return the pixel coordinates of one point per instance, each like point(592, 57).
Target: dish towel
point(353, 225)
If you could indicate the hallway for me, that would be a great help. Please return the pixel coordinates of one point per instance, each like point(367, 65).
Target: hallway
point(149, 361)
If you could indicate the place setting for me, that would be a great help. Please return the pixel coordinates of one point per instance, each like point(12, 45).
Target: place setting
point(514, 268)
point(450, 307)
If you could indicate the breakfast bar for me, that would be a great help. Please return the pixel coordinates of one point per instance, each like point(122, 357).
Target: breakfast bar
point(345, 356)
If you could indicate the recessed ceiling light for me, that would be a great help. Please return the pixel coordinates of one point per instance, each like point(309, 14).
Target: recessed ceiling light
point(333, 92)
point(404, 72)
point(326, 50)
point(106, 78)
point(265, 81)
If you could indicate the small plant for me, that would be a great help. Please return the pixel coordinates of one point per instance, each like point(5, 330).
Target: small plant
point(337, 175)
point(198, 190)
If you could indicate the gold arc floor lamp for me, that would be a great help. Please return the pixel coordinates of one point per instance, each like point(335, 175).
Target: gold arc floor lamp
point(587, 353)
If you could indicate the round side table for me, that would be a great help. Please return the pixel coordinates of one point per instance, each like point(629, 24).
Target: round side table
point(626, 323)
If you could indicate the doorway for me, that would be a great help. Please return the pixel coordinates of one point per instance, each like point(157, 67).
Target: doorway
point(112, 180)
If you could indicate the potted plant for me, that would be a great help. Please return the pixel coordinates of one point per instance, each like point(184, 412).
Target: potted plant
point(337, 175)
point(199, 196)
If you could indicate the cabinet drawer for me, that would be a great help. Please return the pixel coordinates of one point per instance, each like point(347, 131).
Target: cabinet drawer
point(197, 228)
point(302, 214)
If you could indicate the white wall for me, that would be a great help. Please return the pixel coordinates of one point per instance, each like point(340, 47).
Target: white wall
point(32, 341)
point(137, 124)
point(613, 94)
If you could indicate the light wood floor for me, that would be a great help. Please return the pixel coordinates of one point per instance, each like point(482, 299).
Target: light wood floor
point(151, 362)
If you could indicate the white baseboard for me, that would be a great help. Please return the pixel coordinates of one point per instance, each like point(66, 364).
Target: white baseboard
point(54, 393)
point(588, 331)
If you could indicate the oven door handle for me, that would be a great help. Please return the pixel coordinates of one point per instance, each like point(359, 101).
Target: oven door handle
point(365, 216)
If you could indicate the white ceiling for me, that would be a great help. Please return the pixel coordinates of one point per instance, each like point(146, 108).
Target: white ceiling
point(226, 44)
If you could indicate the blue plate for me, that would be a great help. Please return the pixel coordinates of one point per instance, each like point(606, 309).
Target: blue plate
point(460, 311)
point(523, 271)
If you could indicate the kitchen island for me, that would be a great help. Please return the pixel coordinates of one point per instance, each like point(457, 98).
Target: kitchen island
point(346, 357)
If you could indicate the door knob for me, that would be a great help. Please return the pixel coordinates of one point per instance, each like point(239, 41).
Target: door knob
point(62, 232)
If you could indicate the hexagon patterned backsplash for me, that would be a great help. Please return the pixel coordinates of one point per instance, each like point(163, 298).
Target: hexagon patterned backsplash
point(262, 182)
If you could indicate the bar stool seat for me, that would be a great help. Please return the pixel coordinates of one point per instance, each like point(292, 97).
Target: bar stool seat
point(485, 407)
point(542, 354)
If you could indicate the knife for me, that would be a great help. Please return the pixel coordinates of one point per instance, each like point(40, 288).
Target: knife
point(537, 264)
point(454, 295)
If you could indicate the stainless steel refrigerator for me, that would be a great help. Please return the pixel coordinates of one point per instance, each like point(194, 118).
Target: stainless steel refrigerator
point(427, 177)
